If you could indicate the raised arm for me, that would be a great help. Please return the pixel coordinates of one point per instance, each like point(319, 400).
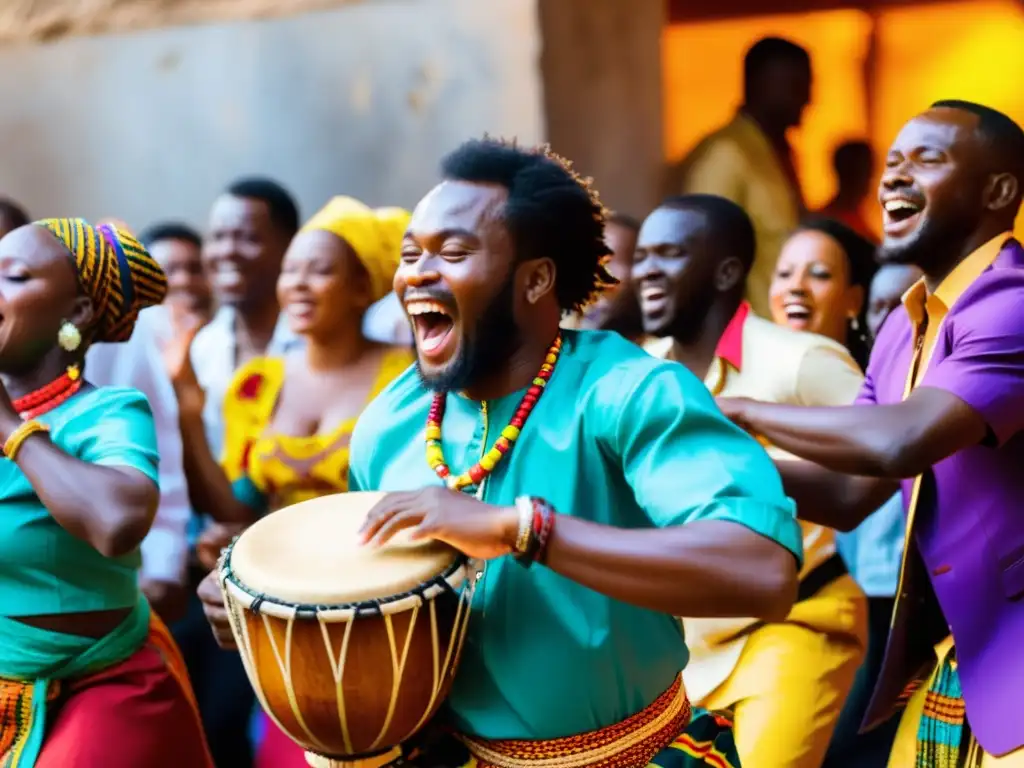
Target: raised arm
point(892, 441)
point(96, 476)
point(833, 499)
point(974, 394)
point(210, 490)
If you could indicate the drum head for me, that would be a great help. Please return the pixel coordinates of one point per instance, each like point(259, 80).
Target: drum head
point(310, 554)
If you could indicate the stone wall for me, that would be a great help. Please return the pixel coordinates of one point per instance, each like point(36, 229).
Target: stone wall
point(35, 20)
point(601, 68)
point(363, 100)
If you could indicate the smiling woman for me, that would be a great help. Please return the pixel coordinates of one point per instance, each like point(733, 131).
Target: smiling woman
point(821, 284)
point(288, 420)
point(80, 652)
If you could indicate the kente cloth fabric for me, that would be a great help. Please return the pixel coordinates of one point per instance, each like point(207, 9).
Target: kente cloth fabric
point(933, 731)
point(943, 726)
point(375, 235)
point(122, 700)
point(115, 270)
point(707, 741)
point(665, 734)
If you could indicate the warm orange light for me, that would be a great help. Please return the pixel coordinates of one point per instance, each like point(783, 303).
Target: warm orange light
point(924, 53)
point(703, 76)
point(972, 51)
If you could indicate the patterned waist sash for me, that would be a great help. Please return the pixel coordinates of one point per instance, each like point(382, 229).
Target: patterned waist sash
point(944, 738)
point(24, 703)
point(628, 744)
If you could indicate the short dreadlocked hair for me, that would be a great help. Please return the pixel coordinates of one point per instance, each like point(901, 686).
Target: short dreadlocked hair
point(550, 212)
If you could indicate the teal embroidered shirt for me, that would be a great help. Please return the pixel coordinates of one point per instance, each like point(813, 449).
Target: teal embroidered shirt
point(619, 438)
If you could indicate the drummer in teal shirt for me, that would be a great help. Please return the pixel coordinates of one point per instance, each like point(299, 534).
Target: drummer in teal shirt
point(603, 487)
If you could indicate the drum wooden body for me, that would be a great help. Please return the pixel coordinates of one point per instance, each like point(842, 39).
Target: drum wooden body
point(350, 650)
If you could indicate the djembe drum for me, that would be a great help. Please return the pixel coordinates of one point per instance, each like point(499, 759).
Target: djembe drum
point(350, 650)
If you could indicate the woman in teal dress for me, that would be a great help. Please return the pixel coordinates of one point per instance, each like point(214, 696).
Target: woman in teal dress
point(88, 675)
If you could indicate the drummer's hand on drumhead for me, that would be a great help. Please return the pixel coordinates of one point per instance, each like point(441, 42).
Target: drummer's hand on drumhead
point(480, 530)
point(213, 606)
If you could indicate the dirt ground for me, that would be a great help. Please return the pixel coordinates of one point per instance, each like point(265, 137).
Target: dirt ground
point(24, 21)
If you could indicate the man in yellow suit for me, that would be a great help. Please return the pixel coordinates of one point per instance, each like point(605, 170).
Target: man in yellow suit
point(750, 161)
point(785, 681)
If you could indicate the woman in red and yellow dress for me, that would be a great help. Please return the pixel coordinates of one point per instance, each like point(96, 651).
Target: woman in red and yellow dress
point(288, 420)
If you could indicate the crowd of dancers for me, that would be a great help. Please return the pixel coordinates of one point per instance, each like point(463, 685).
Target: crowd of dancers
point(650, 430)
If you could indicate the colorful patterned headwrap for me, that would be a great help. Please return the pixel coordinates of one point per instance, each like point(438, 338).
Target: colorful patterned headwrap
point(114, 270)
point(374, 235)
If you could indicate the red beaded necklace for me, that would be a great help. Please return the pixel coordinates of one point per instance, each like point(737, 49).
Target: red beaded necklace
point(476, 474)
point(48, 397)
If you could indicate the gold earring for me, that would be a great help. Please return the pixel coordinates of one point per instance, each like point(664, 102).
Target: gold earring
point(69, 337)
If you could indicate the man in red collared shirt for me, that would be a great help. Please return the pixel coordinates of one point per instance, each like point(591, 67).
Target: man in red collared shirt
point(786, 681)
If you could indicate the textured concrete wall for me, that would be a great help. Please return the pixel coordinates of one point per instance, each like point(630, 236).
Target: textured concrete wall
point(363, 100)
point(601, 65)
point(33, 20)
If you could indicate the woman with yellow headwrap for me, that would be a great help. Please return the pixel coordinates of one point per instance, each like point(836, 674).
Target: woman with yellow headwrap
point(88, 675)
point(288, 420)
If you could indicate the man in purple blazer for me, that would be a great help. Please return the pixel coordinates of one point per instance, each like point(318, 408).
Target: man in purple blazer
point(941, 413)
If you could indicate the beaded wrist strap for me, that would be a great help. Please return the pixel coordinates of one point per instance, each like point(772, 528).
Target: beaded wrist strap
point(532, 543)
point(17, 438)
point(524, 506)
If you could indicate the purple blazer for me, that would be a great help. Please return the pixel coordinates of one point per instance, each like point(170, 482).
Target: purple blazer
point(964, 566)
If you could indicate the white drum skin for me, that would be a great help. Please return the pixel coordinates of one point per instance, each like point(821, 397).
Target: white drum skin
point(350, 649)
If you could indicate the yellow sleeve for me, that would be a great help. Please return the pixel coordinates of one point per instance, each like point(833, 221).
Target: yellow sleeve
point(248, 405)
point(828, 376)
point(716, 168)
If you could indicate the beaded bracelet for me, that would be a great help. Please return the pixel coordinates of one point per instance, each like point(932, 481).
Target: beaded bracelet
point(540, 555)
point(541, 524)
point(15, 440)
point(524, 505)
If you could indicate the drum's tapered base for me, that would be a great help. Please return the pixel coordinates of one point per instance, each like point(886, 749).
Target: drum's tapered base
point(321, 761)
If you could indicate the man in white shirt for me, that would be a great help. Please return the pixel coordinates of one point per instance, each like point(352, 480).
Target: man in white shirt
point(251, 225)
point(137, 363)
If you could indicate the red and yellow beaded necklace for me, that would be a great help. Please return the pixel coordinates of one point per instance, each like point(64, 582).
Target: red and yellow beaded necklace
point(476, 474)
point(48, 397)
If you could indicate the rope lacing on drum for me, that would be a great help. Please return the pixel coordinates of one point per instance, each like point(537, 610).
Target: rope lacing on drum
point(257, 602)
point(371, 608)
point(441, 582)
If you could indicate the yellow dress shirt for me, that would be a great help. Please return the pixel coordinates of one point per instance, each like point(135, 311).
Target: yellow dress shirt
point(922, 306)
point(785, 681)
point(739, 163)
point(768, 362)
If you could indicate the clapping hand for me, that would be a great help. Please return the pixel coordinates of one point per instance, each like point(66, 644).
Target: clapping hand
point(177, 355)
